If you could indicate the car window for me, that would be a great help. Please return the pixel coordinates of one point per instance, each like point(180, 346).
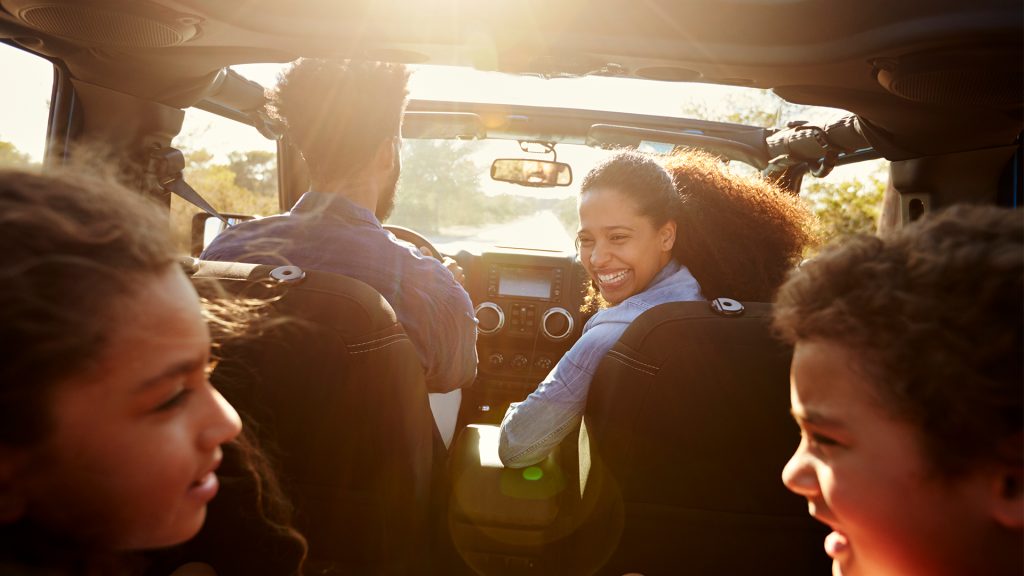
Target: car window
point(24, 113)
point(466, 210)
point(849, 200)
point(230, 164)
point(446, 193)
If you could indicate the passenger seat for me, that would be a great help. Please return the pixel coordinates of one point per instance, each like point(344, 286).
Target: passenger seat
point(689, 428)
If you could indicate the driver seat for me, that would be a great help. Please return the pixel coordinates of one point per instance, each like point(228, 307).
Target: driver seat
point(335, 392)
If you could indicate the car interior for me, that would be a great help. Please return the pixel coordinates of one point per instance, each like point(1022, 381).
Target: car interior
point(653, 482)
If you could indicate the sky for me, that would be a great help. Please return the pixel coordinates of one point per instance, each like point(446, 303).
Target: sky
point(23, 112)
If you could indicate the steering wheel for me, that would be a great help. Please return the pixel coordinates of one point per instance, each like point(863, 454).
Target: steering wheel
point(414, 238)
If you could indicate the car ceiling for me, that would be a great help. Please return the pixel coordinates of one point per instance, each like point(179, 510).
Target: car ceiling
point(951, 70)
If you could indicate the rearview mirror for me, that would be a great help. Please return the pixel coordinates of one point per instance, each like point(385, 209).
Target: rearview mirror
point(539, 173)
point(206, 227)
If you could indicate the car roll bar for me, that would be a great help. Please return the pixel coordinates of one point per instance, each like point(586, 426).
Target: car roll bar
point(820, 148)
point(610, 135)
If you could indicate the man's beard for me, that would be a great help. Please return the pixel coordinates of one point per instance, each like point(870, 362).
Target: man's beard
point(386, 200)
point(386, 203)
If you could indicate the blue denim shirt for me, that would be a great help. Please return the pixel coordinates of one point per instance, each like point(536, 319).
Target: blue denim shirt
point(330, 233)
point(533, 427)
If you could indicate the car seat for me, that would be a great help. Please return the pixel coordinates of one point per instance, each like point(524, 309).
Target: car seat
point(689, 428)
point(335, 392)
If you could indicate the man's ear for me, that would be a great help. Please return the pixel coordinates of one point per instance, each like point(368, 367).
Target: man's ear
point(386, 157)
point(1006, 496)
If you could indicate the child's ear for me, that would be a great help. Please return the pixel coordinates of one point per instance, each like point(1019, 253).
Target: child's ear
point(1007, 497)
point(12, 497)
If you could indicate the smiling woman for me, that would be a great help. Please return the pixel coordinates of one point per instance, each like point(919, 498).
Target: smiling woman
point(626, 239)
point(650, 236)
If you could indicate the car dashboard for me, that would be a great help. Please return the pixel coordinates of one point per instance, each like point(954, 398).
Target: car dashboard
point(528, 308)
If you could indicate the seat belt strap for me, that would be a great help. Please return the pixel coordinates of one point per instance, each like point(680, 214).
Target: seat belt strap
point(166, 166)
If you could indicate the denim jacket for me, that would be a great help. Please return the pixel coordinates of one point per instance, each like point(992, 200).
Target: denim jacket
point(533, 427)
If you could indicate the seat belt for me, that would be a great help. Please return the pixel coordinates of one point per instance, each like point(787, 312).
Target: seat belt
point(165, 170)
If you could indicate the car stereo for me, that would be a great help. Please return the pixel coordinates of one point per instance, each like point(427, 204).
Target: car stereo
point(524, 282)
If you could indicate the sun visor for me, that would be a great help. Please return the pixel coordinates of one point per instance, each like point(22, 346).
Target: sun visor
point(443, 126)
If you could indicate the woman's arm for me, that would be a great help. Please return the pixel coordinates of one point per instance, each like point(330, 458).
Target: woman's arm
point(532, 428)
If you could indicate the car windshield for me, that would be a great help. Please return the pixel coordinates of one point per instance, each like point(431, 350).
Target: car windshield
point(445, 190)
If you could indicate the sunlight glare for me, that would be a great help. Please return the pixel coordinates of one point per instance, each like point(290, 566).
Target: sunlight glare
point(487, 446)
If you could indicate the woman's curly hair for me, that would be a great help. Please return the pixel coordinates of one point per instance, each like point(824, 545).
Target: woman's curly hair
point(935, 313)
point(739, 236)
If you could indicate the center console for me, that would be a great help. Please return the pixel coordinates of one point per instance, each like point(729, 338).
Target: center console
point(504, 520)
point(528, 308)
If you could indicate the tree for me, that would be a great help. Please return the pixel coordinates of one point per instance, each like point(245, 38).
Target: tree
point(752, 108)
point(843, 207)
point(568, 214)
point(11, 156)
point(846, 207)
point(439, 187)
point(218, 185)
point(197, 159)
point(255, 170)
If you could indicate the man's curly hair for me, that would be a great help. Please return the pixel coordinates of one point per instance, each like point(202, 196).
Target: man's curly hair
point(935, 314)
point(339, 112)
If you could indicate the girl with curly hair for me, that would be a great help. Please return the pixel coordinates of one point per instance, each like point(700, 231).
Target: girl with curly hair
point(111, 435)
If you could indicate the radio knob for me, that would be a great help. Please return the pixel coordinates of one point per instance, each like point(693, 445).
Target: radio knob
point(496, 360)
point(519, 361)
point(543, 364)
point(557, 324)
point(490, 318)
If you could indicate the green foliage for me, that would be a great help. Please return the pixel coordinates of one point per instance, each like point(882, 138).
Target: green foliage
point(11, 156)
point(255, 170)
point(751, 108)
point(848, 206)
point(440, 187)
point(219, 185)
point(843, 207)
point(568, 215)
point(197, 159)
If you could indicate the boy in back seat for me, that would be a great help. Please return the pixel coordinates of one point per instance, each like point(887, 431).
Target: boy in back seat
point(907, 385)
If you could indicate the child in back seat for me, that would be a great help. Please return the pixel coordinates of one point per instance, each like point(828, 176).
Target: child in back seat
point(110, 432)
point(907, 385)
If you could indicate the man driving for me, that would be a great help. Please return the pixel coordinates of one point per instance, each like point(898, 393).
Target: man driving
point(345, 118)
